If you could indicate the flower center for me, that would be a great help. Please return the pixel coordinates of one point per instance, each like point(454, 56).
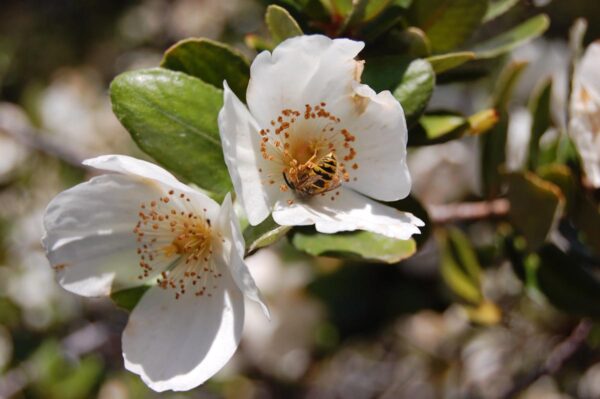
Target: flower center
point(176, 241)
point(311, 151)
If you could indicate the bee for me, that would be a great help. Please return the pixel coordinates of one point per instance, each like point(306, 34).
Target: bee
point(314, 178)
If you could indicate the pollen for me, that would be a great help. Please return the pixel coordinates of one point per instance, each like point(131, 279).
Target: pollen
point(175, 246)
point(309, 146)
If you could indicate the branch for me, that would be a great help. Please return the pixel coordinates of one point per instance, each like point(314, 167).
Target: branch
point(442, 214)
point(39, 141)
point(557, 358)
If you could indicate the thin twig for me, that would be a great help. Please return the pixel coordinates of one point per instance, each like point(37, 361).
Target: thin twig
point(39, 141)
point(448, 213)
point(557, 358)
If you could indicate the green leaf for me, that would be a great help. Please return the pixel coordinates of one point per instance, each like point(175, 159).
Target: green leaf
point(561, 177)
point(448, 23)
point(173, 118)
point(568, 283)
point(128, 298)
point(536, 206)
point(439, 127)
point(513, 38)
point(493, 144)
point(411, 82)
point(361, 245)
point(266, 233)
point(444, 62)
point(539, 106)
point(498, 7)
point(281, 24)
point(459, 265)
point(210, 61)
point(442, 126)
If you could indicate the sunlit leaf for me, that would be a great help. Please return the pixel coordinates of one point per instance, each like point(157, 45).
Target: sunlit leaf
point(444, 62)
point(173, 117)
point(353, 245)
point(434, 128)
point(499, 7)
point(281, 24)
point(442, 126)
point(513, 38)
point(448, 23)
point(459, 265)
point(210, 61)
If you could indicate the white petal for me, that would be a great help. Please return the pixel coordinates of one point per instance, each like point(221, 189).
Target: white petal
point(347, 212)
point(301, 70)
point(234, 258)
point(584, 125)
point(179, 344)
point(588, 73)
point(377, 122)
point(136, 167)
point(89, 238)
point(240, 139)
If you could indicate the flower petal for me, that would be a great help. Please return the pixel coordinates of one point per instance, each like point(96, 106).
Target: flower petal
point(234, 257)
point(89, 238)
point(377, 122)
point(179, 344)
point(136, 167)
point(347, 212)
point(301, 70)
point(584, 125)
point(240, 139)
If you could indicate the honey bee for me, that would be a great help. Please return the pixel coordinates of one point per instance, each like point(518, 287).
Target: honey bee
point(314, 178)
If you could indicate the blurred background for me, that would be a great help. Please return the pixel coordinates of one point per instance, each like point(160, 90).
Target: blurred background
point(339, 329)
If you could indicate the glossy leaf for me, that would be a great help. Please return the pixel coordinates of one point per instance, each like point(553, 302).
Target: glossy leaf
point(539, 106)
point(411, 82)
point(448, 23)
point(535, 206)
point(444, 62)
point(281, 24)
point(128, 298)
point(266, 233)
point(173, 117)
point(362, 245)
point(513, 38)
point(210, 61)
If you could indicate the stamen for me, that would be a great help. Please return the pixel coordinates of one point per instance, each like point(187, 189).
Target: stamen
point(178, 241)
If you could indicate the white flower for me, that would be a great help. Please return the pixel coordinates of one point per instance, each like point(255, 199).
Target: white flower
point(140, 225)
point(314, 142)
point(584, 125)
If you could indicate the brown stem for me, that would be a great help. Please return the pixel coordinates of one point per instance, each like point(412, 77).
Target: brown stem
point(557, 358)
point(40, 142)
point(449, 213)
